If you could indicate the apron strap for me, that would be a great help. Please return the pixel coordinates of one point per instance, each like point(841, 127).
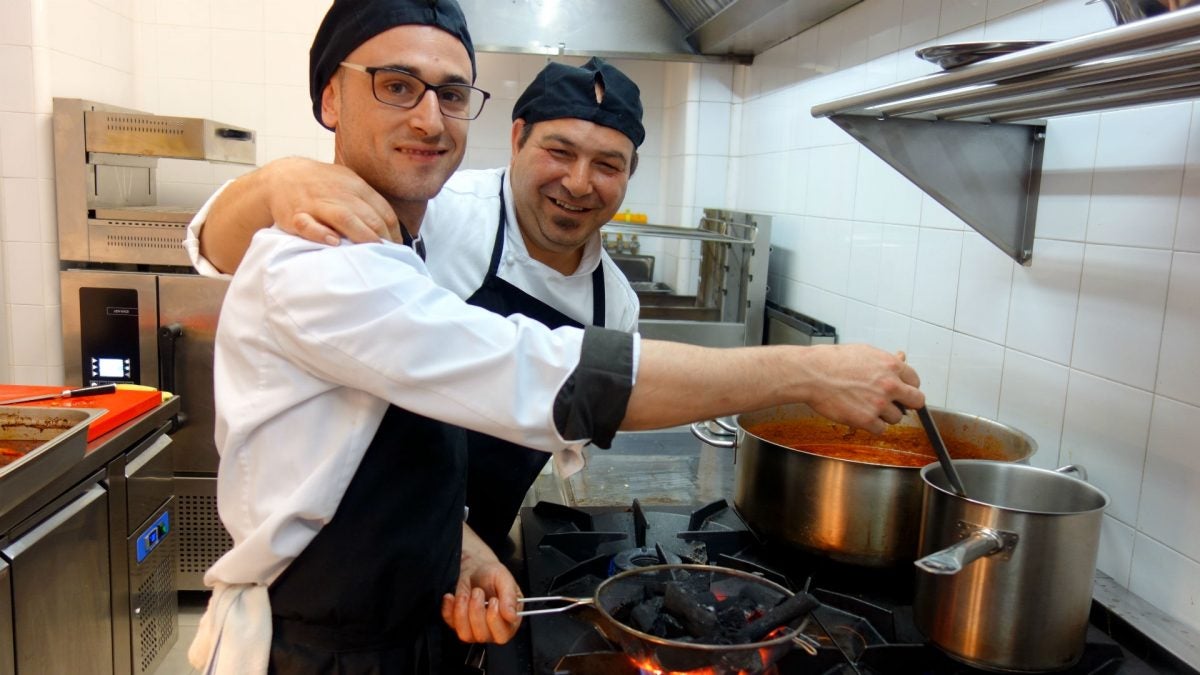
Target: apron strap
point(408, 240)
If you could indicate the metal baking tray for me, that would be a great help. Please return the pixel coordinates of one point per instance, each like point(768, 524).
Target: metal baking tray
point(63, 436)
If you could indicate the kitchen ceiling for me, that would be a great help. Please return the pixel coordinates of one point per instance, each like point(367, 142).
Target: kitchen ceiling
point(674, 30)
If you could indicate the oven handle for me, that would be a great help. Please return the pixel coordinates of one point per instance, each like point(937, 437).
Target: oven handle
point(167, 337)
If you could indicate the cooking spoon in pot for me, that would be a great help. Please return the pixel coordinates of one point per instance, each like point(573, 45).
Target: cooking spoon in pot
point(939, 446)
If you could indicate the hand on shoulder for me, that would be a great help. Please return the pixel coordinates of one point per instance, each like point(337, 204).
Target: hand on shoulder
point(324, 202)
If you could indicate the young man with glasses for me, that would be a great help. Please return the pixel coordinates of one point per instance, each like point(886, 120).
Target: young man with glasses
point(344, 376)
point(519, 240)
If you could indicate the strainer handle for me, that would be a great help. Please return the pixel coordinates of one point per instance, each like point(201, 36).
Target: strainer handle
point(571, 603)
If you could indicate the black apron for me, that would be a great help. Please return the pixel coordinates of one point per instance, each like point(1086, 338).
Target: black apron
point(365, 595)
point(499, 473)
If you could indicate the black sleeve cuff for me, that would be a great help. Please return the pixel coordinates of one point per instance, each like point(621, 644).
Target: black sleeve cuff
point(591, 403)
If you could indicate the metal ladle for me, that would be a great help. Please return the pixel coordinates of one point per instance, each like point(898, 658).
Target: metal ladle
point(939, 446)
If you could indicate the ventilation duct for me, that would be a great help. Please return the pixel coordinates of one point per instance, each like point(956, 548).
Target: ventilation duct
point(675, 30)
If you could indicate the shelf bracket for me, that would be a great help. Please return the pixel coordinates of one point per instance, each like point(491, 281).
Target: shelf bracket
point(987, 174)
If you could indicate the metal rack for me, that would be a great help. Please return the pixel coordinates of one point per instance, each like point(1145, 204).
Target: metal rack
point(726, 309)
point(972, 137)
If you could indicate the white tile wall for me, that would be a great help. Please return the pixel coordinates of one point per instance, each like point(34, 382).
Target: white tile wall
point(898, 264)
point(16, 23)
point(865, 250)
point(1045, 296)
point(1121, 303)
point(935, 286)
point(1169, 580)
point(1170, 510)
point(1105, 428)
point(1187, 232)
point(1093, 349)
point(984, 289)
point(1179, 371)
point(976, 369)
point(16, 78)
point(1115, 556)
point(1067, 165)
point(1033, 394)
point(1136, 187)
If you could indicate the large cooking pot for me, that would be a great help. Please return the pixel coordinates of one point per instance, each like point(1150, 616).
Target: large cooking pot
point(852, 511)
point(1006, 581)
point(617, 595)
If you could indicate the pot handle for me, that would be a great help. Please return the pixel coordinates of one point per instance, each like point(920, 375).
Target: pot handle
point(571, 604)
point(699, 430)
point(982, 542)
point(1075, 470)
point(725, 424)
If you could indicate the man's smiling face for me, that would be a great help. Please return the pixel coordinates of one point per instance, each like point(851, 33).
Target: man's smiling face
point(405, 154)
point(569, 177)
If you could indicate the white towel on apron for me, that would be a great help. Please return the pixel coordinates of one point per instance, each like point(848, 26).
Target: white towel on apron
point(234, 637)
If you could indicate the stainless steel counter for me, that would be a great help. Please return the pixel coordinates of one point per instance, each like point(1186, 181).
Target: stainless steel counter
point(99, 453)
point(82, 588)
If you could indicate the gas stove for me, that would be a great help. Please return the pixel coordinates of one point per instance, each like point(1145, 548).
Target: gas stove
point(863, 627)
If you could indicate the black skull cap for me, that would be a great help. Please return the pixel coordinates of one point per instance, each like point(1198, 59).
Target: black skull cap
point(349, 23)
point(561, 91)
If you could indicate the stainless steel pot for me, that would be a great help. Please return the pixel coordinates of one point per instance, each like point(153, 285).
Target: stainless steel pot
point(1006, 583)
point(854, 512)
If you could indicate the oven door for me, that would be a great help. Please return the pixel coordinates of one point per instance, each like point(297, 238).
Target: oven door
point(188, 307)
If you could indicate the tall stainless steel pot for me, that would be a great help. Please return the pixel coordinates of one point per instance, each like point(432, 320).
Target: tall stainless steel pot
point(1011, 588)
point(863, 514)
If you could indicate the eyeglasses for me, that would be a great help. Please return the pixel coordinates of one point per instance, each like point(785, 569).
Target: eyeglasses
point(402, 89)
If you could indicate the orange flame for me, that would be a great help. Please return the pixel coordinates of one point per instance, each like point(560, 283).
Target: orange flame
point(648, 666)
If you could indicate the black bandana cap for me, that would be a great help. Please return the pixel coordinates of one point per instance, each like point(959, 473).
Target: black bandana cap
point(561, 91)
point(349, 23)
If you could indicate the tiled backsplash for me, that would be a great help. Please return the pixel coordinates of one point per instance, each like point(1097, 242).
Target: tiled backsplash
point(1094, 350)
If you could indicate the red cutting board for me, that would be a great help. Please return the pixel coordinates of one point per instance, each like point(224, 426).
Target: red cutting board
point(122, 405)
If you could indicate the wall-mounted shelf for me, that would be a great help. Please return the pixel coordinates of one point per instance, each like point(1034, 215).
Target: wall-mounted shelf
point(972, 137)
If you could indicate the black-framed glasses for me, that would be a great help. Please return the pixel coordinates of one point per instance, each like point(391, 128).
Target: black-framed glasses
point(402, 89)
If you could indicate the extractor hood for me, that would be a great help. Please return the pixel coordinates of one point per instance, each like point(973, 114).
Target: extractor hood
point(674, 30)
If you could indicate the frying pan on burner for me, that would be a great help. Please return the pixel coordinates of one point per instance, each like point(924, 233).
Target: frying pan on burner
point(767, 639)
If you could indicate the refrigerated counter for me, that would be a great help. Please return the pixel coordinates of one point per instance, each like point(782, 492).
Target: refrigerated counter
point(87, 560)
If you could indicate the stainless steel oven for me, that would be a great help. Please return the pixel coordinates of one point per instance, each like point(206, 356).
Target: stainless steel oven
point(157, 330)
point(133, 309)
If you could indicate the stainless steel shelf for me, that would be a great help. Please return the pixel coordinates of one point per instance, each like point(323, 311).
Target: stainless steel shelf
point(678, 232)
point(972, 137)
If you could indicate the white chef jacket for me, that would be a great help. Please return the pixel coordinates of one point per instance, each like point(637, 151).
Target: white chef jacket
point(459, 231)
point(313, 344)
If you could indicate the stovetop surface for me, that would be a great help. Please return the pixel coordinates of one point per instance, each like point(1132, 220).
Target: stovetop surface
point(865, 625)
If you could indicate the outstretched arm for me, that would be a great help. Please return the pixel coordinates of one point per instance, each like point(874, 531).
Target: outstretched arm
point(315, 200)
point(856, 385)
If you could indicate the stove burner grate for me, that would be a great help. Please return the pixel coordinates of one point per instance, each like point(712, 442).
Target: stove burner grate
point(864, 627)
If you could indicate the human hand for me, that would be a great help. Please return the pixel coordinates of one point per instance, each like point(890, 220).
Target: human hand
point(483, 607)
point(319, 201)
point(863, 386)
